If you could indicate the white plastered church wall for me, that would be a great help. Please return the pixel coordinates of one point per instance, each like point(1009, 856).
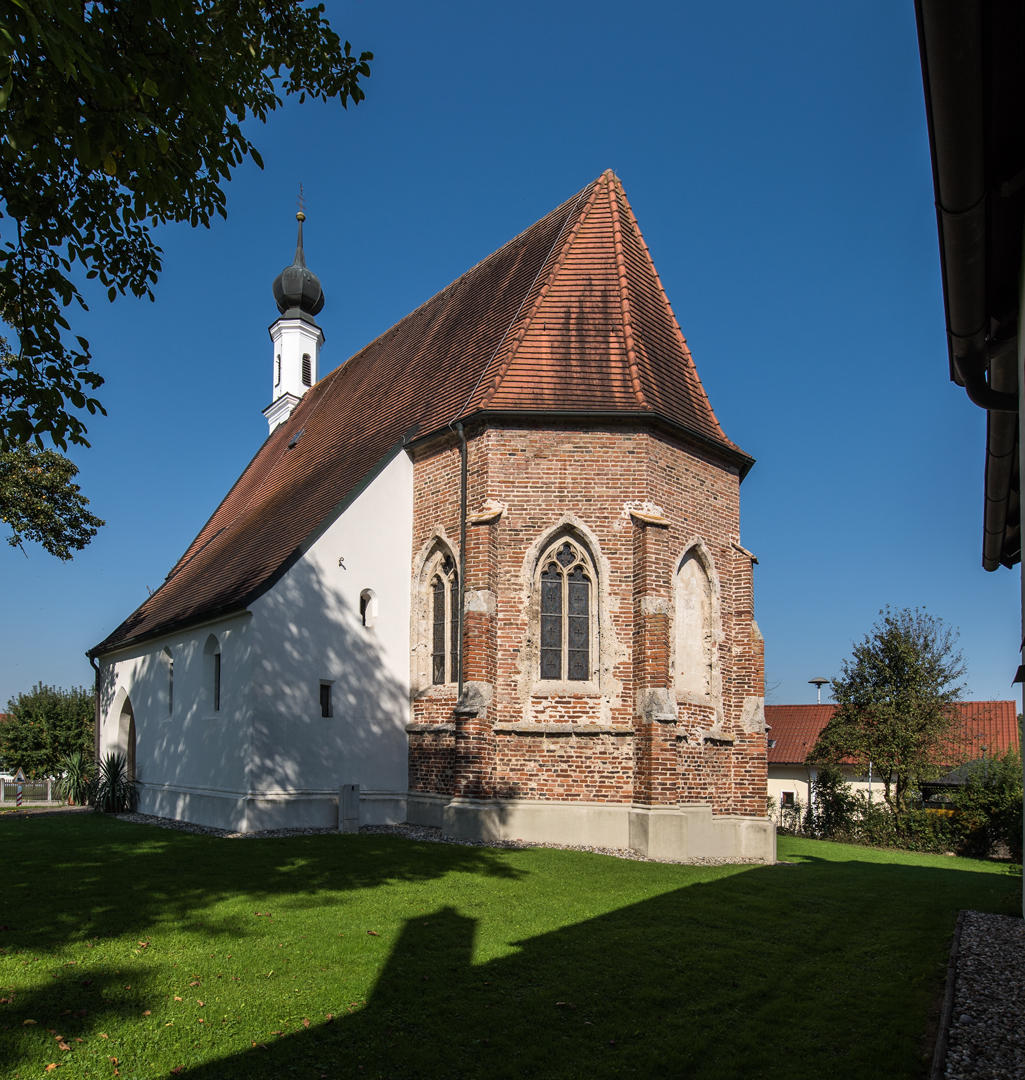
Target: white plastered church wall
point(191, 761)
point(307, 630)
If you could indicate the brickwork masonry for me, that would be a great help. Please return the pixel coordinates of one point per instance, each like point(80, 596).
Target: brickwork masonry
point(635, 735)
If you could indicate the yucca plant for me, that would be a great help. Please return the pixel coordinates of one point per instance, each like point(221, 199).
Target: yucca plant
point(113, 792)
point(75, 780)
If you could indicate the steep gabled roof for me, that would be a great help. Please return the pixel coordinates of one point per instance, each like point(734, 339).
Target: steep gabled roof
point(569, 317)
point(990, 724)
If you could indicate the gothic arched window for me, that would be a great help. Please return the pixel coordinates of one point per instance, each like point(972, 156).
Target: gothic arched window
point(567, 612)
point(445, 622)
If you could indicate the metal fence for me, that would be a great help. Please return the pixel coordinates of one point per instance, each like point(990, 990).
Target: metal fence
point(33, 792)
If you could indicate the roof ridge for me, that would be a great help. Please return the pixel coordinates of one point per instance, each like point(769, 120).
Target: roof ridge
point(624, 299)
point(567, 244)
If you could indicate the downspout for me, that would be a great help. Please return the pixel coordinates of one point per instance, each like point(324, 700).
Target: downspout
point(94, 663)
point(462, 553)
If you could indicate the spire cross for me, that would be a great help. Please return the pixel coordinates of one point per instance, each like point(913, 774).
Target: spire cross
point(301, 203)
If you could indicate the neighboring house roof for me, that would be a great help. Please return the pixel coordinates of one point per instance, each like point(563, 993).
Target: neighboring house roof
point(794, 730)
point(568, 318)
point(959, 777)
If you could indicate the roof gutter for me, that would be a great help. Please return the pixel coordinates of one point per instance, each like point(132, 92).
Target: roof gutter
point(951, 46)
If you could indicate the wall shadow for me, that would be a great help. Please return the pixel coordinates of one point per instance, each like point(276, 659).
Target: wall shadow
point(830, 964)
point(269, 734)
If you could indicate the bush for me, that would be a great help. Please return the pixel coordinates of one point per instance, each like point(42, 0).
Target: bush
point(834, 809)
point(74, 784)
point(989, 807)
point(112, 792)
point(984, 817)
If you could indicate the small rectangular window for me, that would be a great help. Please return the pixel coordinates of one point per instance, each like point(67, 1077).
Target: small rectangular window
point(217, 682)
point(325, 699)
point(786, 798)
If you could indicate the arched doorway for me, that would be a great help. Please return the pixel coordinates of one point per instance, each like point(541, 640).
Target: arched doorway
point(126, 735)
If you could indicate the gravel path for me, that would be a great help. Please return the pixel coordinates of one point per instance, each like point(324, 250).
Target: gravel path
point(409, 832)
point(987, 1031)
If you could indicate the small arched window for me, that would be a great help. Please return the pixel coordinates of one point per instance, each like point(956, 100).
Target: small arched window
point(445, 622)
point(168, 660)
point(277, 371)
point(567, 612)
point(368, 608)
point(307, 370)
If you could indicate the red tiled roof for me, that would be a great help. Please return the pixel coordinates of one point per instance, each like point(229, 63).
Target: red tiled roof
point(570, 316)
point(989, 724)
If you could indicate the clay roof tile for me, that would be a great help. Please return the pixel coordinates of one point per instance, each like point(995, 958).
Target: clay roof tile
point(569, 316)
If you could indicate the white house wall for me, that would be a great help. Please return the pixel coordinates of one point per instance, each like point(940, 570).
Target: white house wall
point(190, 763)
point(796, 778)
point(306, 630)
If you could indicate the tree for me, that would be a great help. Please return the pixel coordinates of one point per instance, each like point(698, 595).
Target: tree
point(38, 501)
point(46, 726)
point(894, 702)
point(115, 116)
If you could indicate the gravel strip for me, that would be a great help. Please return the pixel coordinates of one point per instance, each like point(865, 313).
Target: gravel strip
point(412, 832)
point(987, 1033)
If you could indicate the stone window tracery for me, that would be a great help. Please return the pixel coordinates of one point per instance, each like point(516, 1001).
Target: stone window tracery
point(567, 612)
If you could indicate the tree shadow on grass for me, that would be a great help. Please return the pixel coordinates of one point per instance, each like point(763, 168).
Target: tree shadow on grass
point(830, 964)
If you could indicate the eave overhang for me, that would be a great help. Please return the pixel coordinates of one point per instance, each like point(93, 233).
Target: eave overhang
point(974, 79)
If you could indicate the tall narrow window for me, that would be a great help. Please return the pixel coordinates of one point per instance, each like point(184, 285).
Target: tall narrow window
point(210, 688)
point(169, 663)
point(438, 653)
point(325, 699)
point(307, 370)
point(566, 613)
point(277, 372)
point(445, 622)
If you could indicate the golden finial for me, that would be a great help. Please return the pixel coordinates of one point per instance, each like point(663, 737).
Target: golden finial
point(301, 203)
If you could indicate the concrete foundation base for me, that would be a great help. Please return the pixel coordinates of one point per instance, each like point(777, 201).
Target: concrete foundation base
point(678, 833)
point(256, 811)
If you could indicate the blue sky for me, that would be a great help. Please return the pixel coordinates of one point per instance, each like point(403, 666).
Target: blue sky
point(777, 159)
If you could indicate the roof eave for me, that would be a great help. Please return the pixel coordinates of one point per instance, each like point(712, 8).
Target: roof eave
point(734, 455)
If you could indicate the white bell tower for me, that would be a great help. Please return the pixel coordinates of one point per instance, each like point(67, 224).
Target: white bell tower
point(296, 337)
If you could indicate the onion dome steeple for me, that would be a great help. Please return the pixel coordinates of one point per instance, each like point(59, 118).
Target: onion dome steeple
point(296, 337)
point(297, 290)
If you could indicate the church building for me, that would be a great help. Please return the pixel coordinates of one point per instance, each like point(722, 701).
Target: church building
point(488, 569)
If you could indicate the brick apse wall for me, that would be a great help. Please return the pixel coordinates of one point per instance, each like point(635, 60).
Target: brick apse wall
point(646, 742)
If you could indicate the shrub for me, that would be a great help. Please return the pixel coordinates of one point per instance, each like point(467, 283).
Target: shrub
point(834, 809)
point(989, 806)
point(74, 783)
point(112, 790)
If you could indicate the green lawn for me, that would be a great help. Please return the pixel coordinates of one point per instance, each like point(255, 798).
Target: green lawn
point(481, 963)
